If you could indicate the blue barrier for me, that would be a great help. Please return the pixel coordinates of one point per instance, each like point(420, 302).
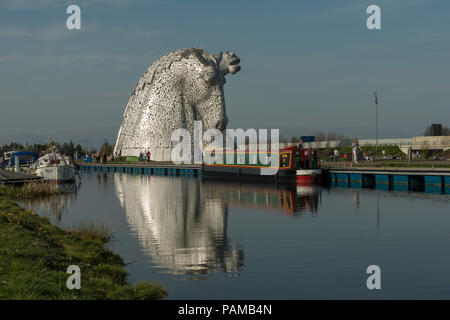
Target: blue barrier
point(433, 188)
point(435, 180)
point(400, 187)
point(333, 179)
point(400, 180)
point(342, 180)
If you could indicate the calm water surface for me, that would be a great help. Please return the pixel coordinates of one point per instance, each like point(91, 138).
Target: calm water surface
point(225, 240)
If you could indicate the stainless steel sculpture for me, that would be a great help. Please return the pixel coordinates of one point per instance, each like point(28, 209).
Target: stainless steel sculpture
point(177, 89)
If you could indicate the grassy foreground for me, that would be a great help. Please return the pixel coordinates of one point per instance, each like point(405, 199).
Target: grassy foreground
point(34, 256)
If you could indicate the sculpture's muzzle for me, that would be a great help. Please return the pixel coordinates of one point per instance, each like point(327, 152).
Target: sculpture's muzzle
point(234, 66)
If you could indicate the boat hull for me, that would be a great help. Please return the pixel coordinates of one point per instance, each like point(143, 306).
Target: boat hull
point(59, 174)
point(248, 173)
point(308, 177)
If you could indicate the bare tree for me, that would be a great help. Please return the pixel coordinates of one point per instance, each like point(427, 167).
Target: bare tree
point(320, 136)
point(332, 136)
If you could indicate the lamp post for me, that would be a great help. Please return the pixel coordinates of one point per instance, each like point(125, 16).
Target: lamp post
point(375, 94)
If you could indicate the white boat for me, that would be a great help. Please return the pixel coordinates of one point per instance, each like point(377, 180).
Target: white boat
point(55, 167)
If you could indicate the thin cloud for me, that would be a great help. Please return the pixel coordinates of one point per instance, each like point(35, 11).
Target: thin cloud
point(18, 5)
point(52, 32)
point(15, 5)
point(86, 60)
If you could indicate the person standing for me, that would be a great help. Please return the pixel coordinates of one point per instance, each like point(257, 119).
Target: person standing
point(336, 155)
point(355, 149)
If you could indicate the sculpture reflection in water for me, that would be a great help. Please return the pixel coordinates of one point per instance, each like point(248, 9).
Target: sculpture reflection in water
point(177, 226)
point(181, 223)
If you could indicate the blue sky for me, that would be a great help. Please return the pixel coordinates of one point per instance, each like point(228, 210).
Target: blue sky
point(307, 66)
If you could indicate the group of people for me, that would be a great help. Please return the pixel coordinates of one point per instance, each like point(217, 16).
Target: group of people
point(334, 154)
point(145, 156)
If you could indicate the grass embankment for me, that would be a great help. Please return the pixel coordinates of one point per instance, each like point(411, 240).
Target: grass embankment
point(390, 151)
point(34, 257)
point(389, 164)
point(324, 154)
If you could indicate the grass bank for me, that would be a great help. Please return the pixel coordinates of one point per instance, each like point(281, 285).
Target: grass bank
point(389, 164)
point(34, 257)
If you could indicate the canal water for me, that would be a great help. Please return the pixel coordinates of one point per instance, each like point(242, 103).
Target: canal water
point(227, 240)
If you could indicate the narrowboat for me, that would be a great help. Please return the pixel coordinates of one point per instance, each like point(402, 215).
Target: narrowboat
point(308, 172)
point(295, 164)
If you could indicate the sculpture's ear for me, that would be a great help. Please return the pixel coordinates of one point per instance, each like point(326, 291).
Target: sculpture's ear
point(209, 75)
point(218, 57)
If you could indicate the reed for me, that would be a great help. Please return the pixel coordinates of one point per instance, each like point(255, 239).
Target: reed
point(32, 190)
point(89, 229)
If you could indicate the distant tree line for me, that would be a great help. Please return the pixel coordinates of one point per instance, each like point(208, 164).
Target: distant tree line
point(65, 148)
point(321, 137)
point(333, 136)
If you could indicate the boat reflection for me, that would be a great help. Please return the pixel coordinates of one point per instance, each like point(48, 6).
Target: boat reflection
point(53, 207)
point(289, 199)
point(181, 223)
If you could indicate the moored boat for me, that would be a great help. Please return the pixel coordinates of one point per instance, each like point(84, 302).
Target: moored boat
point(307, 177)
point(18, 160)
point(55, 167)
point(295, 164)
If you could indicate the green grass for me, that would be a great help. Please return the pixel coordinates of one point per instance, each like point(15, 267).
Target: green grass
point(402, 164)
point(370, 150)
point(34, 256)
point(389, 164)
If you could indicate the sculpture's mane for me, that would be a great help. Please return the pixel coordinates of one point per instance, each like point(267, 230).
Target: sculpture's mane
point(165, 63)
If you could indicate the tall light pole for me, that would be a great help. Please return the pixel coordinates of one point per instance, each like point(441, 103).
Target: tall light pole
point(375, 94)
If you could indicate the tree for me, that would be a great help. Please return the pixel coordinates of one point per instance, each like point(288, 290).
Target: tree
point(320, 136)
point(332, 136)
point(68, 148)
point(283, 139)
point(106, 148)
point(79, 148)
point(445, 131)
